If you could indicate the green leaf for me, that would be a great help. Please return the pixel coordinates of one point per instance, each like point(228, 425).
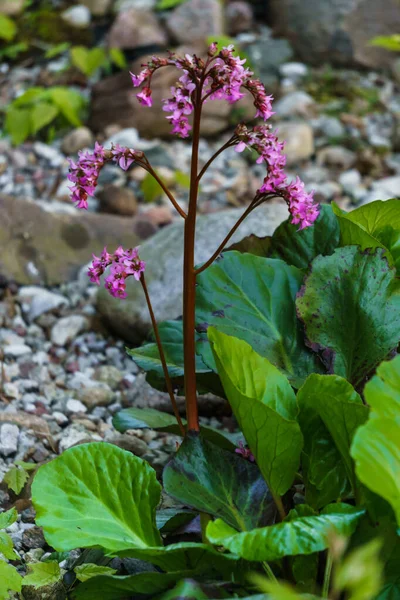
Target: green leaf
point(361, 573)
point(389, 42)
point(341, 411)
point(166, 4)
point(149, 418)
point(171, 519)
point(86, 60)
point(87, 571)
point(10, 580)
point(219, 483)
point(69, 102)
point(186, 589)
point(299, 248)
point(8, 518)
point(151, 189)
point(277, 590)
point(42, 114)
point(182, 179)
point(302, 535)
point(7, 546)
point(265, 407)
point(376, 451)
point(8, 29)
point(112, 587)
point(121, 490)
point(30, 96)
point(118, 58)
point(42, 573)
point(16, 478)
point(374, 225)
point(57, 49)
point(253, 299)
point(26, 465)
point(350, 306)
point(18, 124)
point(382, 392)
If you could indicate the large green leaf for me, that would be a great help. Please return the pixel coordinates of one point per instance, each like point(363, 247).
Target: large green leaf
point(10, 580)
point(376, 451)
point(8, 28)
point(113, 587)
point(264, 405)
point(42, 573)
point(382, 392)
point(69, 102)
point(97, 495)
point(341, 410)
point(18, 124)
point(301, 535)
point(8, 517)
point(220, 483)
point(297, 248)
point(42, 114)
point(350, 306)
point(149, 418)
point(88, 61)
point(253, 299)
point(374, 225)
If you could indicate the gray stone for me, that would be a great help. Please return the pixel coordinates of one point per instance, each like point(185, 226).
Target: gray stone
point(11, 7)
point(164, 256)
point(16, 350)
point(40, 247)
point(297, 103)
point(79, 138)
point(386, 188)
point(337, 30)
point(77, 16)
point(195, 20)
point(67, 328)
point(109, 375)
point(75, 406)
point(329, 126)
point(336, 156)
point(96, 396)
point(267, 54)
point(299, 141)
point(40, 300)
point(239, 17)
point(9, 435)
point(293, 70)
point(134, 28)
point(98, 8)
point(49, 153)
point(117, 200)
point(72, 436)
point(54, 591)
point(349, 180)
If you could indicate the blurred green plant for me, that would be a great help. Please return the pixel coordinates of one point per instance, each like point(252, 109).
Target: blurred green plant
point(389, 42)
point(89, 61)
point(8, 28)
point(40, 107)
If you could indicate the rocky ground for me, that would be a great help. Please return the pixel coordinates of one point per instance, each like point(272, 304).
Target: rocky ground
point(64, 372)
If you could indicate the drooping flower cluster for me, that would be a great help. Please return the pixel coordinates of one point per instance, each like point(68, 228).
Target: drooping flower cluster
point(123, 264)
point(221, 76)
point(85, 172)
point(302, 207)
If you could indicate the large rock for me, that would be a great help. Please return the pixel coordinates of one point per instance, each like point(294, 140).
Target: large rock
point(37, 246)
point(163, 254)
point(114, 102)
point(195, 20)
point(337, 30)
point(299, 141)
point(135, 28)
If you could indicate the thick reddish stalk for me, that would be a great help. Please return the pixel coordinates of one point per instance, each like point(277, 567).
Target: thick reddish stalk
point(162, 357)
point(189, 280)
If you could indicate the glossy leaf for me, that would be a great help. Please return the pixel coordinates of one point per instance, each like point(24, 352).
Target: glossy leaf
point(113, 587)
point(42, 114)
point(170, 519)
point(121, 490)
point(341, 411)
point(42, 573)
point(265, 407)
point(373, 225)
point(302, 535)
point(18, 124)
point(253, 299)
point(149, 418)
point(16, 478)
point(350, 306)
point(10, 580)
point(220, 483)
point(7, 546)
point(376, 451)
point(382, 392)
point(8, 517)
point(88, 571)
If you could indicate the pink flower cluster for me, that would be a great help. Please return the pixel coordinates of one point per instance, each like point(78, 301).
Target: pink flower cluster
point(85, 172)
point(245, 452)
point(221, 76)
point(124, 263)
point(302, 207)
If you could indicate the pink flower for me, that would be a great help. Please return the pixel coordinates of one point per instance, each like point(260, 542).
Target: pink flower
point(145, 97)
point(123, 156)
point(180, 126)
point(84, 174)
point(245, 452)
point(124, 263)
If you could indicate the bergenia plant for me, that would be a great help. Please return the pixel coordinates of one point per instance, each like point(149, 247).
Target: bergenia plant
point(298, 331)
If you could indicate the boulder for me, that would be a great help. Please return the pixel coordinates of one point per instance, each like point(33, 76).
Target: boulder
point(135, 28)
point(337, 30)
point(299, 141)
point(195, 20)
point(40, 247)
point(163, 254)
point(114, 102)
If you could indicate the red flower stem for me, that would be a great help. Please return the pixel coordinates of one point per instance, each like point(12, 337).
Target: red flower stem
point(166, 191)
point(189, 278)
point(226, 240)
point(162, 356)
